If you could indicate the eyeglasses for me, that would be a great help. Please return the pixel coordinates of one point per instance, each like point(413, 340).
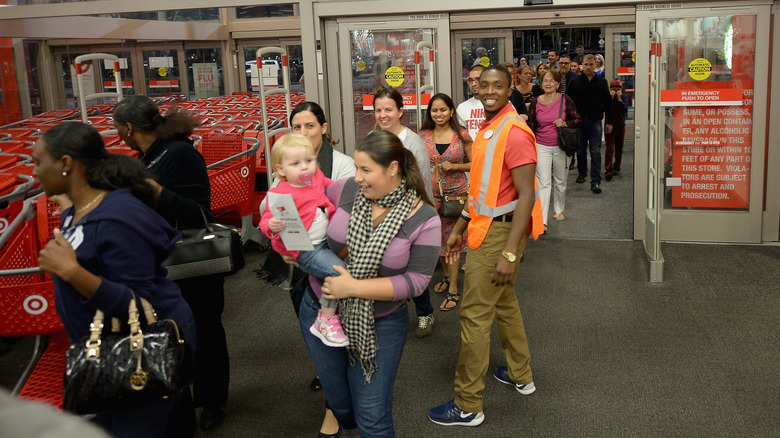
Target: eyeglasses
point(564, 63)
point(471, 80)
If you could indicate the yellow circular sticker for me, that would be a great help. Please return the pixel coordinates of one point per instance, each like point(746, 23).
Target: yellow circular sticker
point(163, 72)
point(699, 69)
point(361, 65)
point(394, 76)
point(484, 61)
point(633, 56)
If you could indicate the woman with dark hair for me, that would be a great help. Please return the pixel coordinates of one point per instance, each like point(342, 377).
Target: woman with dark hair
point(388, 111)
point(541, 68)
point(525, 90)
point(386, 224)
point(449, 149)
point(308, 118)
point(110, 247)
point(552, 163)
point(183, 193)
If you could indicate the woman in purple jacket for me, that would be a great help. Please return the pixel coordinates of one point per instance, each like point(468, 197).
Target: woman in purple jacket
point(110, 247)
point(391, 233)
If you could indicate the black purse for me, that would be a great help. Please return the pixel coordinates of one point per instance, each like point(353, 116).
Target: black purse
point(568, 138)
point(451, 203)
point(214, 249)
point(126, 370)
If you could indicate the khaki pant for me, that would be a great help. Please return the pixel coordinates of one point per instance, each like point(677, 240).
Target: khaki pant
point(481, 302)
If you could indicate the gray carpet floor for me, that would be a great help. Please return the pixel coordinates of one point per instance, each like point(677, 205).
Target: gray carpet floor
point(612, 354)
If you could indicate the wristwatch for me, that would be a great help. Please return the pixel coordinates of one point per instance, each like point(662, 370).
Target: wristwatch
point(510, 257)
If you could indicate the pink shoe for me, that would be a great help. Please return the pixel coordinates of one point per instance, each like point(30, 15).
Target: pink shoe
point(329, 331)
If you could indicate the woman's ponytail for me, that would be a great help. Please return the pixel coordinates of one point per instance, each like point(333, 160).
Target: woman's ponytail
point(106, 171)
point(144, 115)
point(414, 178)
point(119, 171)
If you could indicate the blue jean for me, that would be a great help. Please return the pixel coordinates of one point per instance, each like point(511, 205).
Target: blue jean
point(319, 263)
point(422, 303)
point(170, 417)
point(590, 139)
point(367, 407)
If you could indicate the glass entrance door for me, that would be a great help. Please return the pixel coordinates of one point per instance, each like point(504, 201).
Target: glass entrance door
point(374, 54)
point(490, 47)
point(706, 143)
point(162, 72)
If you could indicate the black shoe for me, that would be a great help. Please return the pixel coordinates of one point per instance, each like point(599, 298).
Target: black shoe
point(315, 384)
point(581, 179)
point(210, 418)
point(595, 188)
point(616, 172)
point(608, 176)
point(333, 435)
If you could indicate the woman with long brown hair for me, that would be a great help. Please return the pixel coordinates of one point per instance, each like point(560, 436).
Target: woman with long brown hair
point(388, 112)
point(387, 225)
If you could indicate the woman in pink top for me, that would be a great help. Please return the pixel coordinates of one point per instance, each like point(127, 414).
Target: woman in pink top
point(552, 162)
point(295, 164)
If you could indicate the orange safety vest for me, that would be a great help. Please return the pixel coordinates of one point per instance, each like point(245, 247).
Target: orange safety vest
point(485, 178)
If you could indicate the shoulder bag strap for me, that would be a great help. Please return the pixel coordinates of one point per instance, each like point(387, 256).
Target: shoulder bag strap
point(437, 176)
point(560, 110)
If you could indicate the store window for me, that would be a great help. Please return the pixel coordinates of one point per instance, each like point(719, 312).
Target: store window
point(271, 70)
point(534, 43)
point(208, 14)
point(204, 70)
point(280, 10)
point(147, 15)
point(31, 56)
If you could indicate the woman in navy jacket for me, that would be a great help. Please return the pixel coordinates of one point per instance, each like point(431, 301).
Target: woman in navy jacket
point(111, 246)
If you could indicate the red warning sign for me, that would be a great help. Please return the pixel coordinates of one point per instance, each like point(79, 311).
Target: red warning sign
point(712, 145)
point(409, 100)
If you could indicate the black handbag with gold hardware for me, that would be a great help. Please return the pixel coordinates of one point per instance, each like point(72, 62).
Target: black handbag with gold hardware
point(126, 370)
point(451, 203)
point(213, 249)
point(568, 138)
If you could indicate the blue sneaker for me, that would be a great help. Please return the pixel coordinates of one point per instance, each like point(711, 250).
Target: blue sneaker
point(449, 414)
point(502, 375)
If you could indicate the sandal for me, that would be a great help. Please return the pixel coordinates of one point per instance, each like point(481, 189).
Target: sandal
point(450, 299)
point(442, 286)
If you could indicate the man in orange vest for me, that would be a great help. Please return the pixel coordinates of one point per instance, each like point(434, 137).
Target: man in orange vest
point(503, 206)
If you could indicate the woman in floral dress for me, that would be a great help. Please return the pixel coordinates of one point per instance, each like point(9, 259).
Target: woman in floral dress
point(449, 148)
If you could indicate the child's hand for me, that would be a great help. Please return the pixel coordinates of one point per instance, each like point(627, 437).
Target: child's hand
point(276, 225)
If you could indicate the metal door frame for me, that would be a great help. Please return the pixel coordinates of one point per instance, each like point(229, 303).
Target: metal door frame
point(689, 225)
point(457, 53)
point(343, 69)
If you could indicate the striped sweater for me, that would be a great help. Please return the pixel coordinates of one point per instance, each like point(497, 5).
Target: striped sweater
point(410, 258)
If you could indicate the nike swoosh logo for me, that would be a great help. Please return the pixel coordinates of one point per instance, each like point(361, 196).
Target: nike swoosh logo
point(465, 414)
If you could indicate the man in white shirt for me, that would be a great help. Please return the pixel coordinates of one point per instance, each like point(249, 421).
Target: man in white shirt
point(471, 113)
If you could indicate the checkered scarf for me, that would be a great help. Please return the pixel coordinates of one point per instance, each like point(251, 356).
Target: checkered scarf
point(366, 248)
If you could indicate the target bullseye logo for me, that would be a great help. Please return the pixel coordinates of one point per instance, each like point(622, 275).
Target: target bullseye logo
point(3, 225)
point(35, 304)
point(245, 171)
